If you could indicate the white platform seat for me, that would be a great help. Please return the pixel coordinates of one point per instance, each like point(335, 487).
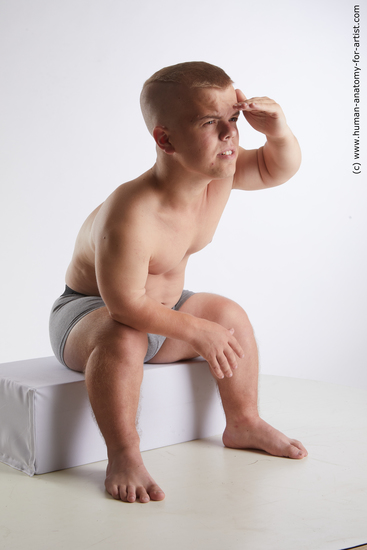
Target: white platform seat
point(46, 422)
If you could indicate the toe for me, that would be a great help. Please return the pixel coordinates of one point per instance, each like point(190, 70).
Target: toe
point(114, 492)
point(293, 452)
point(297, 450)
point(156, 493)
point(302, 451)
point(131, 494)
point(113, 489)
point(142, 495)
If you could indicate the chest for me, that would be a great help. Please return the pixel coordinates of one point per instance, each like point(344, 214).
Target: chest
point(179, 237)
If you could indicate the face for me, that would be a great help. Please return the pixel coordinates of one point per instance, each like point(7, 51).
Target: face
point(205, 136)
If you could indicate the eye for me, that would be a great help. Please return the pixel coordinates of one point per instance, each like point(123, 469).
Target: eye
point(210, 123)
point(233, 119)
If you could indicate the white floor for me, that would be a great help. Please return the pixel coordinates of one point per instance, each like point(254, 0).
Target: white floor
point(216, 498)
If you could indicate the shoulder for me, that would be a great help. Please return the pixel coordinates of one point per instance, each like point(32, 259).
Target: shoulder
point(129, 209)
point(129, 199)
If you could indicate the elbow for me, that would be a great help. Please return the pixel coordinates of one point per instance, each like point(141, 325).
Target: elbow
point(129, 313)
point(277, 168)
point(114, 315)
point(123, 314)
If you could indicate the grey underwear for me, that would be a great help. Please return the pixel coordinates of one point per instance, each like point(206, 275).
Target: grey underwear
point(71, 307)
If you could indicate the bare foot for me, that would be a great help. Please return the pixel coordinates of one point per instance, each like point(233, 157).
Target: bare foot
point(127, 479)
point(257, 434)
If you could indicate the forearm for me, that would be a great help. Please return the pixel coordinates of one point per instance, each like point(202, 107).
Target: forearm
point(279, 159)
point(215, 343)
point(147, 315)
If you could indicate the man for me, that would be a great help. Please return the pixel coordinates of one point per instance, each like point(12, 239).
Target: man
point(124, 303)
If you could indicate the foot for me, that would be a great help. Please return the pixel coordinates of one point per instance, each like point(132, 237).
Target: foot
point(128, 480)
point(257, 434)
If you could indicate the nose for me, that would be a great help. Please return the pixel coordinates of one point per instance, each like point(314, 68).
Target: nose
point(227, 130)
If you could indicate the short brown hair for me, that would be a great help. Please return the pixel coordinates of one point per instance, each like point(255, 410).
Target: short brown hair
point(194, 74)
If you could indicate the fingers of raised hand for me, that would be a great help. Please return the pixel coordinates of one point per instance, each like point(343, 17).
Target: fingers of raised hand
point(263, 104)
point(240, 96)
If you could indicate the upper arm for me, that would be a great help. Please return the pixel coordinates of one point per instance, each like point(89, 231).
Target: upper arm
point(123, 248)
point(272, 164)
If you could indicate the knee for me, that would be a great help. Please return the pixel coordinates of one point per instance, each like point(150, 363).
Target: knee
point(232, 315)
point(122, 344)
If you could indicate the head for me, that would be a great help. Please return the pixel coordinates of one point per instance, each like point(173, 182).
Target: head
point(163, 92)
point(189, 110)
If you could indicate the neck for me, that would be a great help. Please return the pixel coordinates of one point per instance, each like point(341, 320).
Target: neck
point(179, 186)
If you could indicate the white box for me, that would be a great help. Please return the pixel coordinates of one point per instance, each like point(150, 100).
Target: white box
point(46, 422)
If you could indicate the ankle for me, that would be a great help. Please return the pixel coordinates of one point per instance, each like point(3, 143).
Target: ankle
point(127, 448)
point(246, 419)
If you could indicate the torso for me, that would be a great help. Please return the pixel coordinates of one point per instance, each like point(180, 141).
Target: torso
point(177, 235)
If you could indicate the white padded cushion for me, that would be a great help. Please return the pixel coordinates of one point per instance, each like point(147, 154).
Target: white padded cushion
point(46, 422)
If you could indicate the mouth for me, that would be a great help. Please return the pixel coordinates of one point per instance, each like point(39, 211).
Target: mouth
point(227, 153)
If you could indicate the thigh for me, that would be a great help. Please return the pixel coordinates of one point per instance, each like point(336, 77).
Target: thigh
point(98, 329)
point(206, 306)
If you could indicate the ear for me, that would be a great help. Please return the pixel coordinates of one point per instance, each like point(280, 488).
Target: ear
point(161, 137)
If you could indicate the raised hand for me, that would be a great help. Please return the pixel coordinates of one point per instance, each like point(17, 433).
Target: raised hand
point(263, 114)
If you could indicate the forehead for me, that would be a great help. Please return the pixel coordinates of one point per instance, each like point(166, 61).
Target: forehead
point(209, 101)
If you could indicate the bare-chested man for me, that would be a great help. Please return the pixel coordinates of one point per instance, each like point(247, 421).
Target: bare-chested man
point(126, 278)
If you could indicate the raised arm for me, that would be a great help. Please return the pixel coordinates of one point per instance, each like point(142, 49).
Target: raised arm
point(275, 162)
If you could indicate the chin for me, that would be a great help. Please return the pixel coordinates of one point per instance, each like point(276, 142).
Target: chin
point(221, 174)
